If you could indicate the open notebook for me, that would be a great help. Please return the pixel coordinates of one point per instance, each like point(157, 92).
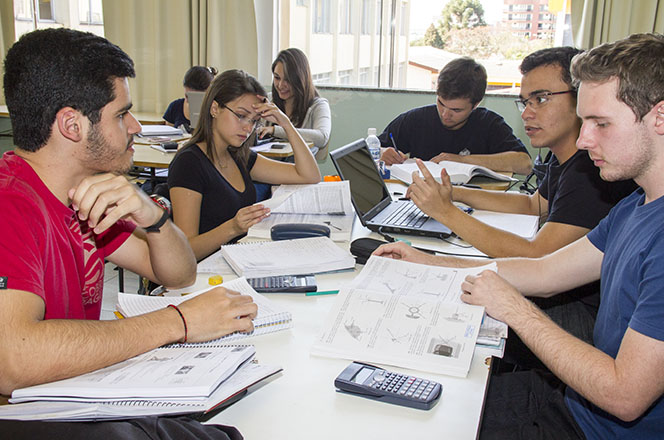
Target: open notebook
point(270, 318)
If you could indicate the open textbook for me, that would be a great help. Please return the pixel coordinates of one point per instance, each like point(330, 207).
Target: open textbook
point(324, 203)
point(270, 317)
point(404, 314)
point(174, 379)
point(287, 257)
point(459, 173)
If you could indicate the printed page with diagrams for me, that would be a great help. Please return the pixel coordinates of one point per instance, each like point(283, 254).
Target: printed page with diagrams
point(404, 314)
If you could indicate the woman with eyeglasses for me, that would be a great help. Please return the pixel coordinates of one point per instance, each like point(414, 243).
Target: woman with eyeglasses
point(210, 178)
point(293, 91)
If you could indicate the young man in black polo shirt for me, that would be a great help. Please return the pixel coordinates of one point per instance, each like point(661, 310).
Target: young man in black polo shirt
point(455, 127)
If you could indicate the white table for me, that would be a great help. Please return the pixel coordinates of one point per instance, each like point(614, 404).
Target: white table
point(301, 402)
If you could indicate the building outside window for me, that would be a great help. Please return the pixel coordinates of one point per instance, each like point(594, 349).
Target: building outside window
point(84, 15)
point(321, 16)
point(346, 17)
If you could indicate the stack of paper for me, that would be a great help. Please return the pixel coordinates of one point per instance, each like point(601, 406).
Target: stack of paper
point(160, 130)
point(270, 317)
point(404, 314)
point(325, 203)
point(168, 380)
point(287, 257)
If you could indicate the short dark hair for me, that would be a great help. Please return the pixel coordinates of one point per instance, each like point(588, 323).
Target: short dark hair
point(226, 87)
point(198, 78)
point(638, 63)
point(298, 74)
point(554, 56)
point(462, 78)
point(49, 69)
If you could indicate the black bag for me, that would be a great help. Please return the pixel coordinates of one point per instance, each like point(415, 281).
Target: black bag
point(362, 248)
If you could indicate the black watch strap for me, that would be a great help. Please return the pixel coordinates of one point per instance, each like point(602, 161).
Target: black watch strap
point(157, 226)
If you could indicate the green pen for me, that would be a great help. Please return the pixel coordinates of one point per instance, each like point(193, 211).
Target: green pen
point(324, 292)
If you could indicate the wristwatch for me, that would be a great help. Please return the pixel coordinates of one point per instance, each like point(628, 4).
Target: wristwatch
point(165, 205)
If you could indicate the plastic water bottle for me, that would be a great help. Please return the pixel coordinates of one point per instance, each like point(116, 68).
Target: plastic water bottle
point(374, 145)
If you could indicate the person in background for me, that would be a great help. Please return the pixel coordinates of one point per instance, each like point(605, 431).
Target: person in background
point(197, 79)
point(210, 178)
point(294, 93)
point(455, 127)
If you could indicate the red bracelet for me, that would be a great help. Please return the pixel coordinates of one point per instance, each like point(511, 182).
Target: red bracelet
point(184, 321)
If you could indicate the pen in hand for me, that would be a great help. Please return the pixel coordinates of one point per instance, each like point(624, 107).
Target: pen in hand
point(401, 156)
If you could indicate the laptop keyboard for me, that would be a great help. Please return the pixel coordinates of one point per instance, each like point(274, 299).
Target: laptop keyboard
point(407, 215)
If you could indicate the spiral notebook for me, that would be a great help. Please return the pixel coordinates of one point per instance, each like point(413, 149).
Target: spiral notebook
point(287, 257)
point(176, 379)
point(270, 317)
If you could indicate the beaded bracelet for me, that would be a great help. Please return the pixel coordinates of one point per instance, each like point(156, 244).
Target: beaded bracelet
point(183, 320)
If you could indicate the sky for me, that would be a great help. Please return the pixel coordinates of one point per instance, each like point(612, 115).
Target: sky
point(425, 12)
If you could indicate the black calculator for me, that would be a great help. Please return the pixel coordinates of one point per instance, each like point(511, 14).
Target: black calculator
point(400, 389)
point(284, 283)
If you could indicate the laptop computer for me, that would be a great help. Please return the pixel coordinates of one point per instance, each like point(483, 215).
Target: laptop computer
point(372, 200)
point(195, 102)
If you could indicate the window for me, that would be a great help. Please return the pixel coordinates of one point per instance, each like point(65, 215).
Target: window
point(84, 15)
point(345, 76)
point(403, 31)
point(322, 78)
point(400, 43)
point(366, 17)
point(364, 79)
point(90, 12)
point(321, 17)
point(23, 10)
point(345, 17)
point(379, 18)
point(301, 3)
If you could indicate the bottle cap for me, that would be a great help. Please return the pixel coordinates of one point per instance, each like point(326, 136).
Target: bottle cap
point(331, 179)
point(371, 131)
point(215, 280)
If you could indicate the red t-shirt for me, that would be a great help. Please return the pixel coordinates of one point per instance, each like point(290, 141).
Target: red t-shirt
point(45, 250)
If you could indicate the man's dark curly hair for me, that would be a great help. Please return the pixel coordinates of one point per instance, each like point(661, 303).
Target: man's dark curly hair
point(49, 69)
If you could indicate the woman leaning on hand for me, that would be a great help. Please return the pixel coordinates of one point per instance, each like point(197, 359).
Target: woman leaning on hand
point(210, 178)
point(293, 91)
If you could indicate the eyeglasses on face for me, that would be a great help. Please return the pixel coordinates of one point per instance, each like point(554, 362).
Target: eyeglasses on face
point(244, 119)
point(537, 100)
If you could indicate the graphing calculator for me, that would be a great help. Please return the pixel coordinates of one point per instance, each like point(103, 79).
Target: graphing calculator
point(284, 283)
point(400, 389)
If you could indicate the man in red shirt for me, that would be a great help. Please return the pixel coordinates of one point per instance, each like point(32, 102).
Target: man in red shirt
point(67, 207)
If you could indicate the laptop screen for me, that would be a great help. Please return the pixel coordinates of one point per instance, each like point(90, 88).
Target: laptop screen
point(354, 163)
point(195, 103)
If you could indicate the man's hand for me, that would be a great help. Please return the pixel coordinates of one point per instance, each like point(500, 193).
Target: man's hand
point(103, 199)
point(248, 216)
point(401, 251)
point(448, 156)
point(391, 156)
point(217, 313)
point(499, 298)
point(433, 198)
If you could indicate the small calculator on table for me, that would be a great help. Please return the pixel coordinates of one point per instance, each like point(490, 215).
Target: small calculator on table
point(400, 389)
point(284, 283)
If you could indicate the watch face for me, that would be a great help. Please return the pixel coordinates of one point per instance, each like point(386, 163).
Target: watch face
point(162, 201)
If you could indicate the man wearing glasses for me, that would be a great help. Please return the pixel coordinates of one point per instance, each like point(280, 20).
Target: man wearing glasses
point(572, 197)
point(456, 128)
